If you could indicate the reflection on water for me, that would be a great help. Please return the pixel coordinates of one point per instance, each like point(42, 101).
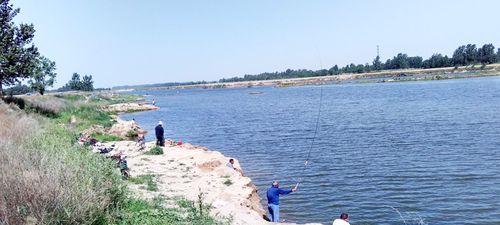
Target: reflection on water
point(427, 149)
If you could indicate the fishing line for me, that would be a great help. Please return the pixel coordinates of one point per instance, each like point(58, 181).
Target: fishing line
point(314, 137)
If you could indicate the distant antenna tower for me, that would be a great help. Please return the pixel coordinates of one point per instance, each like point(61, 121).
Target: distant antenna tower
point(378, 53)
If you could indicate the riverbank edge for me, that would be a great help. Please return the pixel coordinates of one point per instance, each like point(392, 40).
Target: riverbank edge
point(400, 75)
point(233, 196)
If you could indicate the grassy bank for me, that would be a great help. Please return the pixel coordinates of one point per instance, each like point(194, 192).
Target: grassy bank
point(46, 177)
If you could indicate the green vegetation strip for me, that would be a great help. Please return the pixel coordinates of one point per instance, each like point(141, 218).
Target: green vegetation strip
point(47, 178)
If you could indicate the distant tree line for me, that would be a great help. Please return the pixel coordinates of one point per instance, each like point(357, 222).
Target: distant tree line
point(76, 84)
point(463, 56)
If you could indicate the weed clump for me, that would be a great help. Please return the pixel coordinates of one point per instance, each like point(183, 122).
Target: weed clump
point(155, 151)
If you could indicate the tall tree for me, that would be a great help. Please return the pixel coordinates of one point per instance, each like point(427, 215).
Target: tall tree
point(437, 60)
point(334, 70)
point(486, 54)
point(75, 83)
point(471, 54)
point(17, 52)
point(498, 55)
point(459, 56)
point(43, 75)
point(87, 83)
point(415, 62)
point(377, 64)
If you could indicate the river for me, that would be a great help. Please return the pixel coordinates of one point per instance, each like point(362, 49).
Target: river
point(430, 149)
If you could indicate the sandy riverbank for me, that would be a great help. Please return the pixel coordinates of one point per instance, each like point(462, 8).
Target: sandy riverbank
point(384, 76)
point(185, 171)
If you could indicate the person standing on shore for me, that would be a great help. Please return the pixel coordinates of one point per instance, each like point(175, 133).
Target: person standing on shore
point(273, 199)
point(344, 220)
point(160, 140)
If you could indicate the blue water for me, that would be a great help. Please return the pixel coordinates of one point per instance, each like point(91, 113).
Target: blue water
point(428, 149)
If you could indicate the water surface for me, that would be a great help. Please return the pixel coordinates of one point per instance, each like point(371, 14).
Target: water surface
point(428, 149)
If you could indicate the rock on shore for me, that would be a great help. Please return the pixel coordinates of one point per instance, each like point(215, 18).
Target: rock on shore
point(130, 107)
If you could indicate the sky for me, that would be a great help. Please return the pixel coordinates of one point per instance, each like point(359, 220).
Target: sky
point(125, 42)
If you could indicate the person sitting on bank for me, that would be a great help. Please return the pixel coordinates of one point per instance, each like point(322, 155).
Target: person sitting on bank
point(141, 141)
point(343, 220)
point(273, 200)
point(160, 140)
point(230, 165)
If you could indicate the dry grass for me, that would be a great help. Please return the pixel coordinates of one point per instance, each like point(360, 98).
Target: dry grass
point(46, 179)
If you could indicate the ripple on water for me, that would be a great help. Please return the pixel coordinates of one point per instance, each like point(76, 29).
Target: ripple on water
point(427, 149)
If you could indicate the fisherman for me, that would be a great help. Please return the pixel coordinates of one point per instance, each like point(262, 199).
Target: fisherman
point(344, 220)
point(273, 199)
point(160, 140)
point(230, 165)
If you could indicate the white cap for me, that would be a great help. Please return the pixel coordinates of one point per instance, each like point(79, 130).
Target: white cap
point(160, 123)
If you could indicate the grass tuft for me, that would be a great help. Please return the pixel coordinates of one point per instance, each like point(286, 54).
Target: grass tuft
point(155, 151)
point(148, 180)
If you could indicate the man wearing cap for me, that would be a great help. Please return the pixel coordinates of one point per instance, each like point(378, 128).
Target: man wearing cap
point(160, 140)
point(273, 199)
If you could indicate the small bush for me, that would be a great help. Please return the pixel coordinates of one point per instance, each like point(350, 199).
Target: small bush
point(131, 134)
point(103, 137)
point(46, 105)
point(14, 100)
point(155, 151)
point(228, 182)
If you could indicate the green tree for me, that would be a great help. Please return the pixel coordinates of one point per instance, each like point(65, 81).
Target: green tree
point(18, 89)
point(87, 83)
point(377, 64)
point(75, 82)
point(436, 61)
point(498, 55)
point(486, 54)
point(43, 75)
point(470, 54)
point(415, 62)
point(17, 53)
point(459, 56)
point(334, 70)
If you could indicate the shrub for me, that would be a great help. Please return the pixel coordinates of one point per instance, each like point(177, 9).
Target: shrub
point(228, 182)
point(155, 151)
point(14, 100)
point(47, 105)
point(103, 137)
point(131, 134)
point(45, 177)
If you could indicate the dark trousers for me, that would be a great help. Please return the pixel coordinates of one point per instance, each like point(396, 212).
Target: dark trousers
point(160, 141)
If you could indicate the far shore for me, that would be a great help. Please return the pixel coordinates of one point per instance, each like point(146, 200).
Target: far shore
point(372, 77)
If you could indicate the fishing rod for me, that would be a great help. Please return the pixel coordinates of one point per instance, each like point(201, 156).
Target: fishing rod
point(313, 139)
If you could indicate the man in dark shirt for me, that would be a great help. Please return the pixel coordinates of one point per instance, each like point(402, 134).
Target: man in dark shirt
point(160, 140)
point(273, 200)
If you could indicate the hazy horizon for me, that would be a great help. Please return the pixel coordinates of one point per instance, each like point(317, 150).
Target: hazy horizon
point(129, 43)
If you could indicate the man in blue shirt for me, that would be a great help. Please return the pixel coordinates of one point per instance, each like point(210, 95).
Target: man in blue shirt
point(273, 199)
